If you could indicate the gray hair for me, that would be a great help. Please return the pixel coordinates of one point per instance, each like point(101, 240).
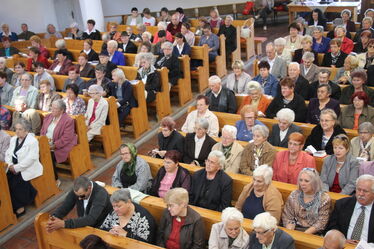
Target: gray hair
point(142, 27)
point(308, 56)
point(105, 37)
point(100, 67)
point(317, 28)
point(148, 34)
point(26, 125)
point(219, 155)
point(231, 213)
point(95, 88)
point(265, 221)
point(336, 235)
point(202, 123)
point(366, 127)
point(341, 27)
point(229, 17)
point(21, 99)
point(367, 18)
point(265, 171)
point(286, 114)
point(122, 194)
point(330, 112)
point(280, 41)
point(366, 177)
point(232, 130)
point(294, 63)
point(60, 103)
point(60, 43)
point(270, 44)
point(120, 74)
point(113, 43)
point(82, 182)
point(328, 87)
point(315, 179)
point(167, 44)
point(262, 129)
point(346, 11)
point(162, 25)
point(145, 56)
point(29, 76)
point(214, 79)
point(254, 86)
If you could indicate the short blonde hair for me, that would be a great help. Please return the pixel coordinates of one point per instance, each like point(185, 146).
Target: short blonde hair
point(239, 64)
point(120, 74)
point(341, 139)
point(248, 108)
point(176, 196)
point(307, 38)
point(353, 60)
point(113, 43)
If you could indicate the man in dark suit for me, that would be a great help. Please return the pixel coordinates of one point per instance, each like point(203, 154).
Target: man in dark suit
point(7, 50)
point(323, 78)
point(92, 202)
point(221, 98)
point(354, 216)
point(301, 84)
point(127, 46)
point(109, 66)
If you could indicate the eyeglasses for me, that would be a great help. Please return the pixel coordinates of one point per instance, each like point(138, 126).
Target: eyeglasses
point(262, 233)
point(341, 137)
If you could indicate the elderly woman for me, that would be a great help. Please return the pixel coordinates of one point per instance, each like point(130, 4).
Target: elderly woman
point(248, 120)
point(362, 146)
point(343, 75)
point(198, 144)
point(340, 170)
point(180, 226)
point(322, 134)
point(346, 15)
point(162, 26)
point(321, 44)
point(266, 234)
point(359, 78)
point(211, 187)
point(27, 90)
point(59, 129)
point(7, 33)
point(4, 144)
point(132, 171)
point(168, 138)
point(256, 99)
point(231, 149)
point(336, 57)
point(37, 42)
point(85, 69)
point(366, 59)
point(73, 78)
point(171, 62)
point(181, 47)
point(307, 208)
point(46, 96)
point(308, 69)
point(170, 175)
point(358, 112)
point(61, 64)
point(293, 40)
point(19, 70)
point(306, 46)
point(229, 233)
point(75, 105)
point(129, 219)
point(75, 32)
point(97, 111)
point(258, 152)
point(149, 75)
point(51, 32)
point(41, 74)
point(347, 44)
point(268, 82)
point(188, 34)
point(288, 163)
point(260, 195)
point(34, 56)
point(121, 89)
point(323, 101)
point(202, 111)
point(211, 40)
point(87, 49)
point(61, 45)
point(229, 31)
point(22, 158)
point(115, 57)
point(238, 80)
point(361, 46)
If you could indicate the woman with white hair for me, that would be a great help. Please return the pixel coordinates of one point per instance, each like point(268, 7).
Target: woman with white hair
point(7, 33)
point(260, 195)
point(258, 152)
point(343, 75)
point(238, 80)
point(362, 146)
point(162, 26)
point(308, 69)
point(306, 46)
point(266, 234)
point(256, 99)
point(149, 75)
point(61, 45)
point(229, 233)
point(51, 32)
point(97, 111)
point(116, 57)
point(281, 131)
point(307, 208)
point(248, 120)
point(121, 89)
point(211, 187)
point(281, 50)
point(321, 44)
point(170, 61)
point(367, 23)
point(75, 33)
point(231, 149)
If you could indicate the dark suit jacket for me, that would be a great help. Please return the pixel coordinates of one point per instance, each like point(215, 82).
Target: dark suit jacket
point(230, 34)
point(13, 51)
point(298, 56)
point(128, 98)
point(92, 55)
point(327, 60)
point(173, 65)
point(109, 68)
point(321, 22)
point(282, 240)
point(341, 217)
point(189, 149)
point(351, 27)
point(335, 90)
point(175, 141)
point(88, 71)
point(225, 101)
point(220, 190)
point(131, 48)
point(186, 50)
point(93, 35)
point(370, 73)
point(64, 70)
point(97, 209)
point(274, 138)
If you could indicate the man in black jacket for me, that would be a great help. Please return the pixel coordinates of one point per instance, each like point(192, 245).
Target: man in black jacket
point(91, 32)
point(221, 98)
point(301, 84)
point(92, 203)
point(323, 78)
point(127, 46)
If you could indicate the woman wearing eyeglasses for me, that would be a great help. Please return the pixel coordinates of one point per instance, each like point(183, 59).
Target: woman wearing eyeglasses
point(363, 145)
point(307, 208)
point(340, 170)
point(97, 111)
point(288, 163)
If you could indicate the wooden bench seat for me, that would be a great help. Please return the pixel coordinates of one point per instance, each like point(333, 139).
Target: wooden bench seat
point(7, 217)
point(183, 87)
point(201, 73)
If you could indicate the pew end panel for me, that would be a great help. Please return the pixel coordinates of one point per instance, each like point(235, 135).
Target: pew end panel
point(7, 217)
point(201, 73)
point(162, 101)
point(183, 88)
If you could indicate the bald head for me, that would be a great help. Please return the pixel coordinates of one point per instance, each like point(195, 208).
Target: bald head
point(334, 239)
point(294, 70)
point(270, 50)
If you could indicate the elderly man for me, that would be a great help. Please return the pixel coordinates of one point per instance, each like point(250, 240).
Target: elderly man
point(354, 215)
point(281, 50)
point(221, 98)
point(6, 90)
point(126, 45)
point(278, 66)
point(92, 203)
point(308, 69)
point(108, 65)
point(115, 56)
point(7, 33)
point(7, 50)
point(31, 115)
point(25, 34)
point(323, 78)
point(91, 32)
point(7, 71)
point(333, 239)
point(211, 187)
point(301, 84)
point(175, 25)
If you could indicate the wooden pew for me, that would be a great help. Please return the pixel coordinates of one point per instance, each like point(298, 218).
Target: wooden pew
point(247, 43)
point(201, 74)
point(236, 54)
point(70, 238)
point(78, 45)
point(183, 87)
point(7, 217)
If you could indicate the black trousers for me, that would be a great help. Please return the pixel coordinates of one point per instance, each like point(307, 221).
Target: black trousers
point(22, 193)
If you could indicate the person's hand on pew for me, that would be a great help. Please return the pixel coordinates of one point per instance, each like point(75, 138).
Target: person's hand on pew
point(54, 223)
point(352, 241)
point(118, 231)
point(11, 169)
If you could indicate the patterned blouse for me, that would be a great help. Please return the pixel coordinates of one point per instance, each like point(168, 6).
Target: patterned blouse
point(294, 213)
point(78, 107)
point(141, 226)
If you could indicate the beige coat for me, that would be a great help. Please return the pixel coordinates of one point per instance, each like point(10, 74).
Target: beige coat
point(232, 163)
point(272, 201)
point(189, 125)
point(219, 239)
point(355, 147)
point(101, 114)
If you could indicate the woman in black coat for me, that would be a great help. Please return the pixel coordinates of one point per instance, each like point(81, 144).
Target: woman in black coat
point(149, 75)
point(171, 62)
point(229, 31)
point(87, 49)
